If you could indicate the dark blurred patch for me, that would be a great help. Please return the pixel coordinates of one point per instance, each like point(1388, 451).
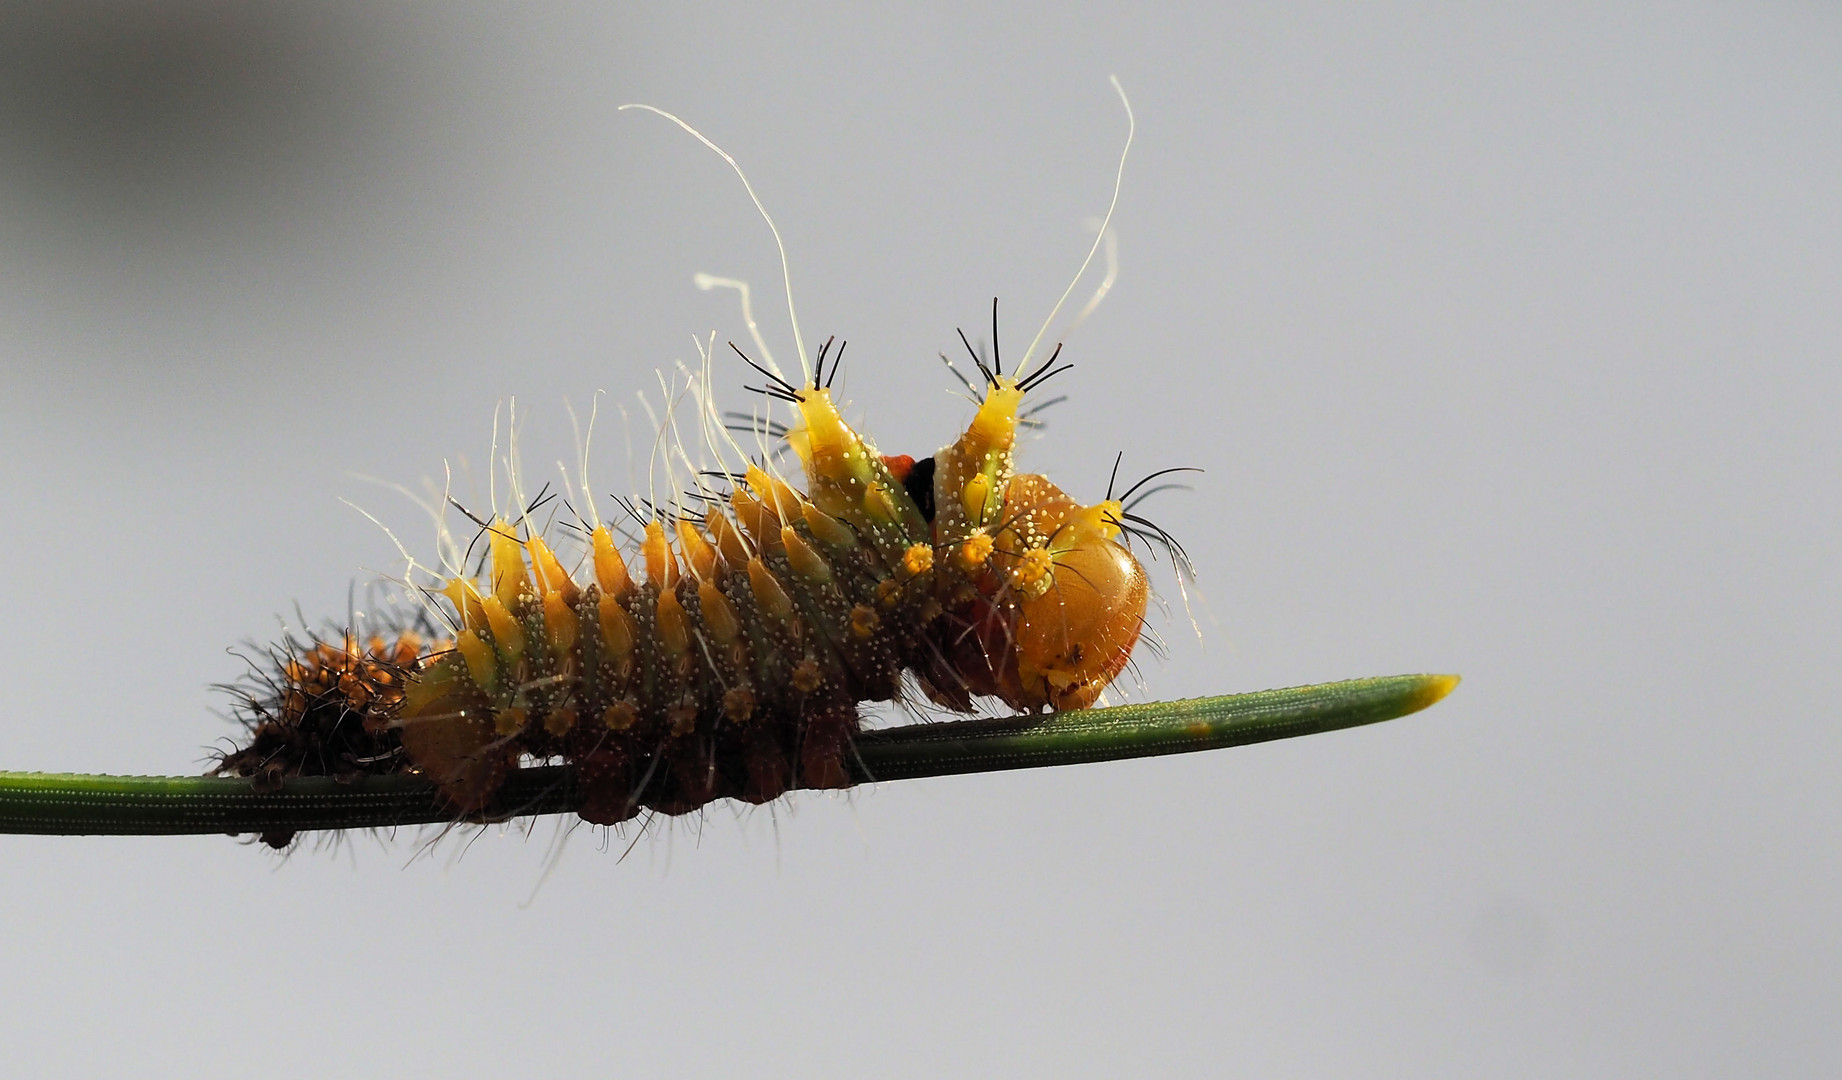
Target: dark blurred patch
point(158, 109)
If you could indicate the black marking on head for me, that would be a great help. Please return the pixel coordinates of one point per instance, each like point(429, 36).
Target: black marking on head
point(920, 486)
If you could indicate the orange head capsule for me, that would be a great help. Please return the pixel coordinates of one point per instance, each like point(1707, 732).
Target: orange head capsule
point(1060, 612)
point(1080, 596)
point(1076, 637)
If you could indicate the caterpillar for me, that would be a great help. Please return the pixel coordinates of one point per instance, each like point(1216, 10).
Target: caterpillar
point(729, 656)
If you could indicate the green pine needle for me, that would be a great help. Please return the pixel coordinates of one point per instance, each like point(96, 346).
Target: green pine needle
point(73, 804)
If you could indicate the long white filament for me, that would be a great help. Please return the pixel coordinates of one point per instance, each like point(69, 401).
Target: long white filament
point(707, 282)
point(786, 272)
point(1119, 177)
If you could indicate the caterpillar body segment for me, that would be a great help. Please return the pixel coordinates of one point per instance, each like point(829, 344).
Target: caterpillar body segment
point(729, 657)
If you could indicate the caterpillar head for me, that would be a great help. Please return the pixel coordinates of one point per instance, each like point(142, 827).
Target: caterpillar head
point(1081, 594)
point(1048, 600)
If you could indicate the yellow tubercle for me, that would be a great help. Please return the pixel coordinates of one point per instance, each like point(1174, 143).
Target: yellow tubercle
point(974, 553)
point(758, 519)
point(801, 442)
point(828, 530)
point(1102, 517)
point(661, 561)
point(550, 575)
point(1033, 573)
point(823, 439)
point(739, 704)
point(806, 562)
point(481, 665)
point(719, 615)
point(994, 427)
point(559, 622)
point(561, 721)
point(507, 633)
point(917, 560)
point(880, 507)
point(465, 597)
point(841, 468)
point(971, 475)
point(432, 684)
point(975, 497)
point(511, 721)
point(616, 627)
point(698, 554)
point(674, 624)
point(769, 595)
point(508, 570)
point(610, 568)
point(729, 541)
point(774, 494)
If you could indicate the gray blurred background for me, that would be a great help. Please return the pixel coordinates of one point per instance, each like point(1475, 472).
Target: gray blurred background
point(1509, 341)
